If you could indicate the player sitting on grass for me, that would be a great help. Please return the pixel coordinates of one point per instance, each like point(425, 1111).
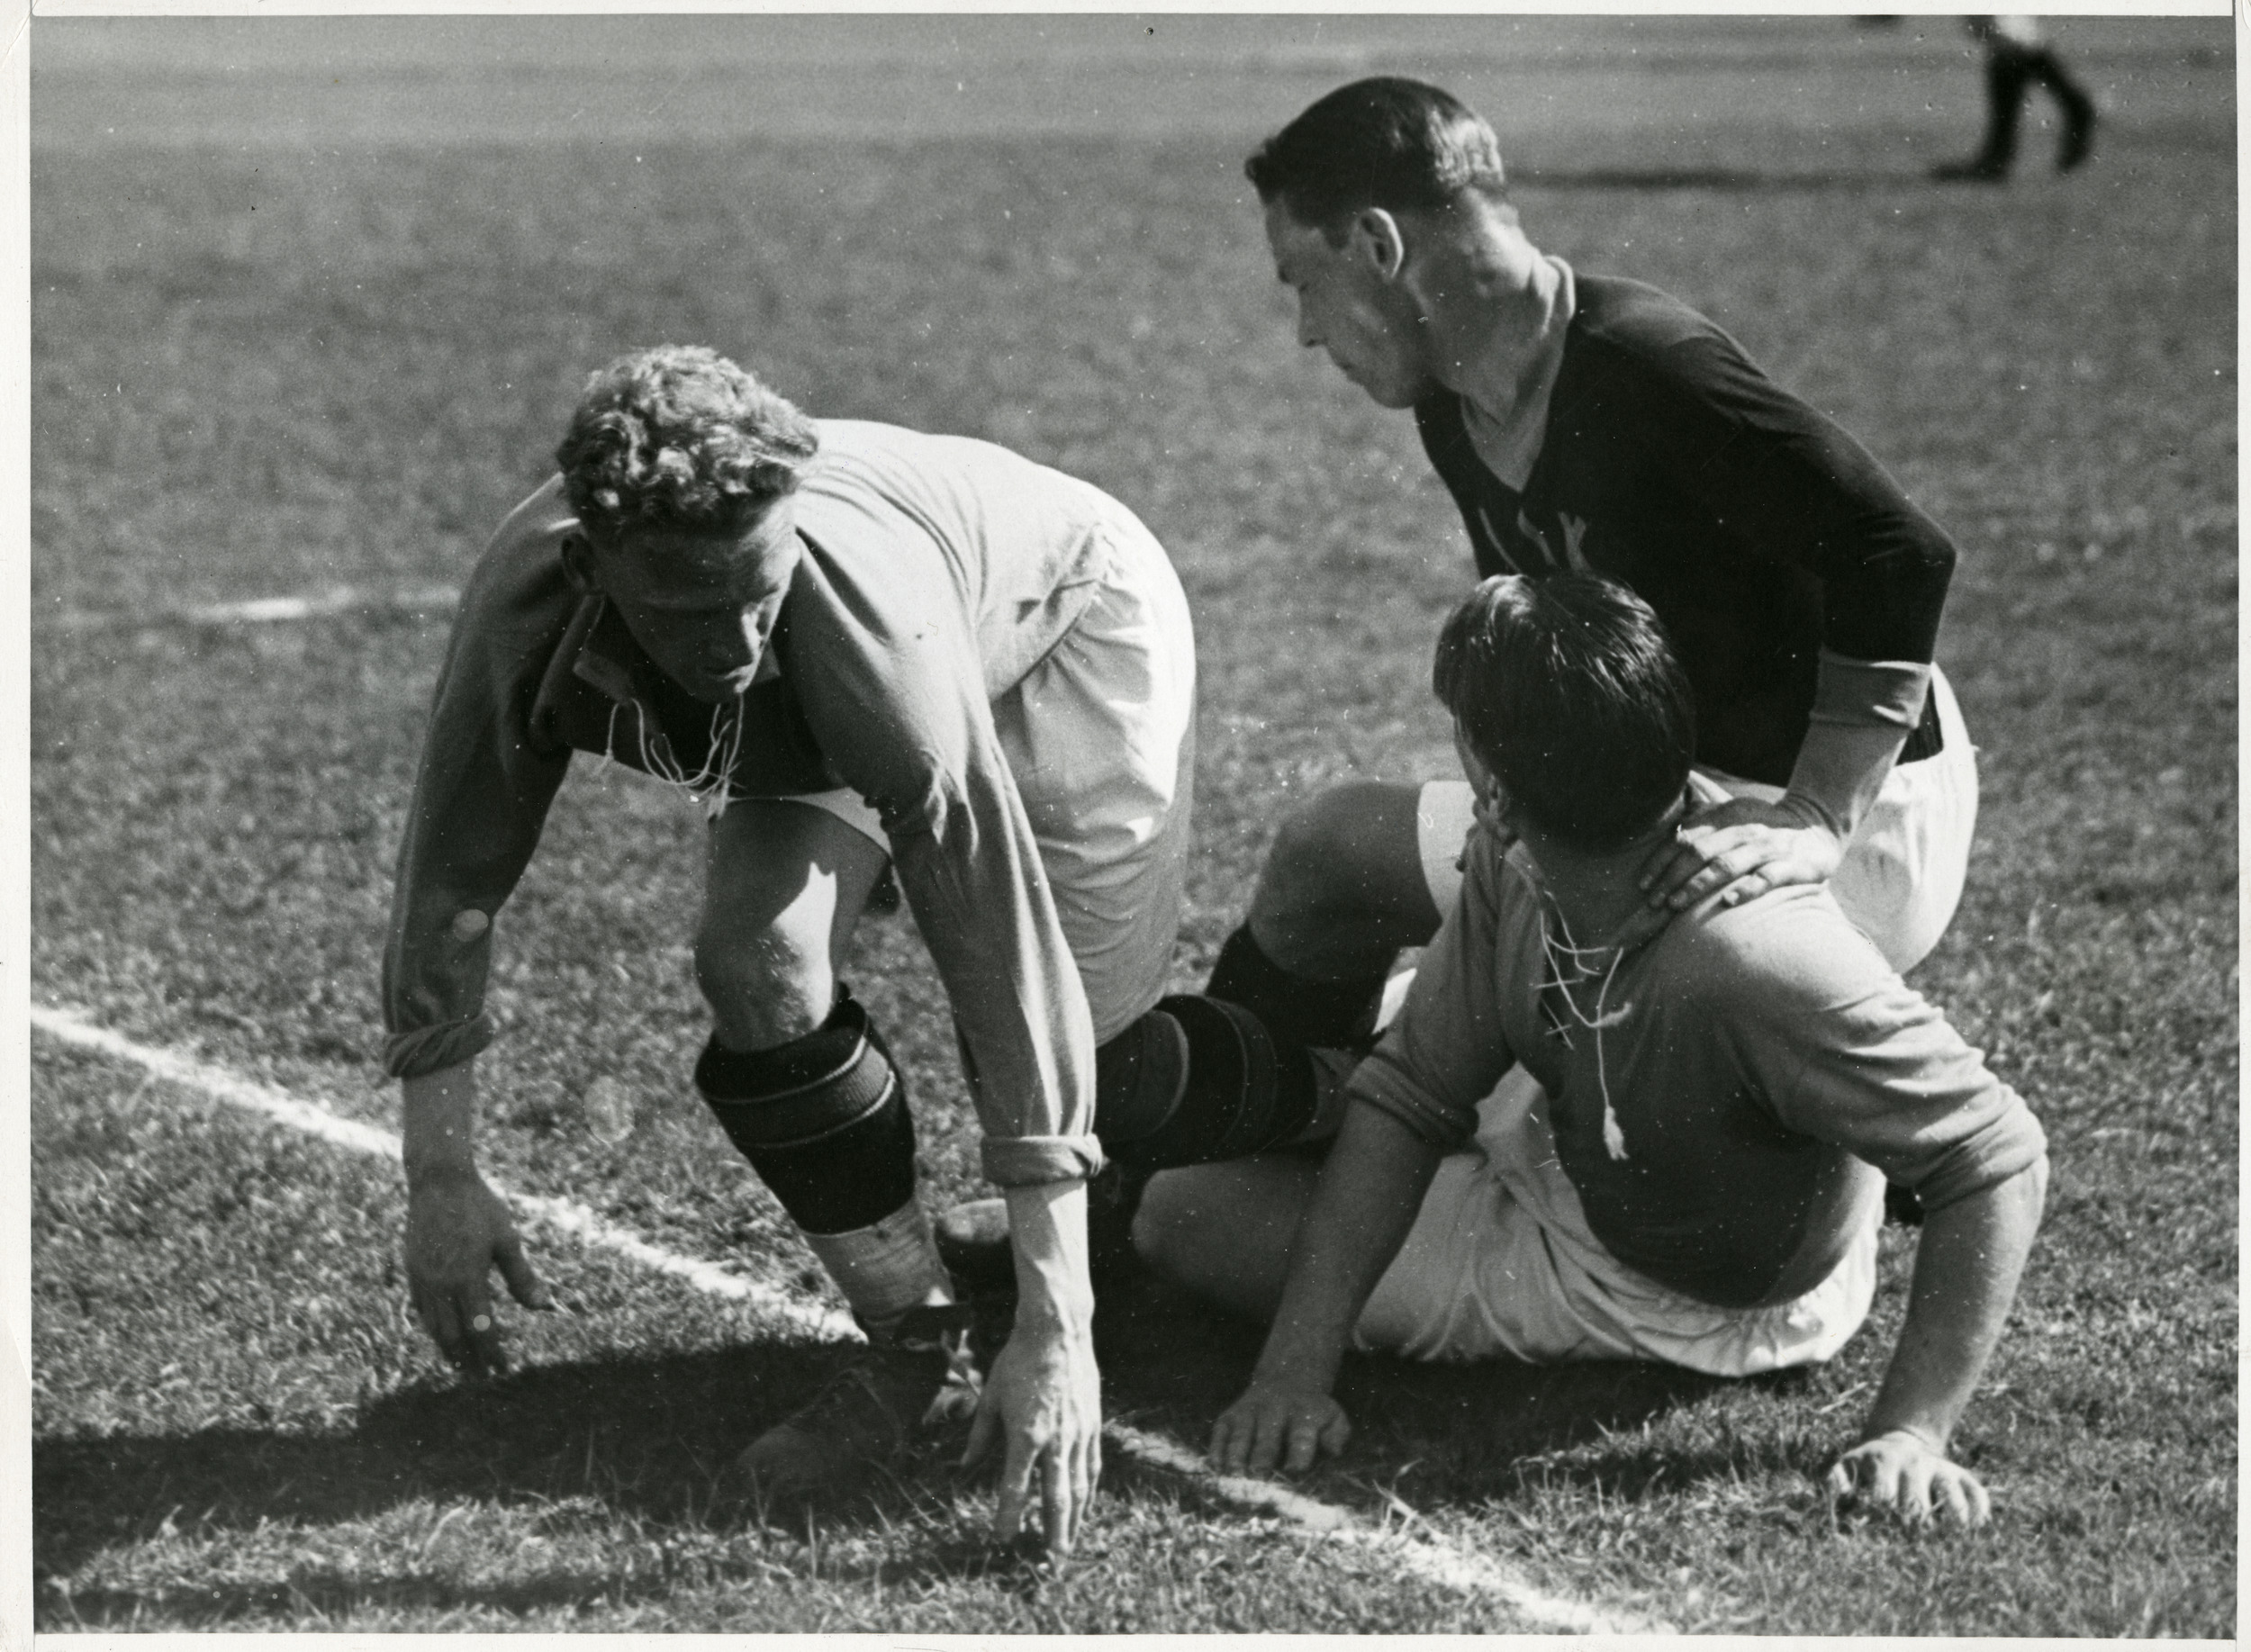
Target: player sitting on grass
point(857, 643)
point(1585, 423)
point(1700, 1182)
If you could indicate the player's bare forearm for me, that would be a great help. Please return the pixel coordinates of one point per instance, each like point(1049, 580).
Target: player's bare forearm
point(1839, 769)
point(457, 1229)
point(1967, 1263)
point(1042, 1402)
point(1362, 1209)
point(437, 1123)
point(1365, 1202)
point(1047, 1228)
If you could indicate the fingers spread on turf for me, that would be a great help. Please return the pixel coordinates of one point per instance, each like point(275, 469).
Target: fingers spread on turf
point(435, 1313)
point(1226, 1450)
point(1882, 1483)
point(1952, 1496)
point(1980, 1506)
point(1267, 1444)
point(1914, 1493)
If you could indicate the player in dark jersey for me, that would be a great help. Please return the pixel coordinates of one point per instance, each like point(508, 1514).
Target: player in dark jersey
point(1590, 423)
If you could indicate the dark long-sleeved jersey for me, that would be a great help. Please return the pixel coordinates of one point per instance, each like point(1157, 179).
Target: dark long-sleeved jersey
point(1755, 527)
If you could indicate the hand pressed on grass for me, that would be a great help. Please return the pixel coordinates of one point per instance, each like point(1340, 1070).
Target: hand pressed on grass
point(458, 1231)
point(1901, 1471)
point(1276, 1424)
point(1042, 1400)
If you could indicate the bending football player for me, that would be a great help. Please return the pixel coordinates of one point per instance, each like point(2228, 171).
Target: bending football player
point(1585, 1138)
point(857, 645)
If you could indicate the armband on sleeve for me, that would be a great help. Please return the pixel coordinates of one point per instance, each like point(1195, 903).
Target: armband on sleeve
point(1863, 712)
point(1862, 693)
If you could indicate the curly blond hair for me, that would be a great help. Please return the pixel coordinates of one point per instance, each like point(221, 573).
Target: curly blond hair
point(680, 438)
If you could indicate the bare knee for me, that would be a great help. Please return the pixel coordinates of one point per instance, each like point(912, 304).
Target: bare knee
point(1343, 889)
point(764, 987)
point(1167, 1225)
point(1223, 1230)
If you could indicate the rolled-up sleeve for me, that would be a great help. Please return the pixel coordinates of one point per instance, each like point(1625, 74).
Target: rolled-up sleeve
point(1446, 1049)
point(893, 688)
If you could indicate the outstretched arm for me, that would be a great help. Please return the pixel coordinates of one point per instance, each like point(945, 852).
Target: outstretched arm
point(1043, 1403)
point(1370, 1191)
point(457, 1229)
point(481, 796)
point(1970, 1257)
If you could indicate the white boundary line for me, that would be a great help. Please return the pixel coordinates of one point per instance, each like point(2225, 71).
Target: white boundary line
point(262, 611)
point(1431, 1558)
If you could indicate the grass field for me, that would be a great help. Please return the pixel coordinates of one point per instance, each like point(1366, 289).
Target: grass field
point(292, 335)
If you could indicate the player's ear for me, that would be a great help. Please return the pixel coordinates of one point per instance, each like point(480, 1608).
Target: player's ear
point(578, 563)
point(1504, 809)
point(1378, 239)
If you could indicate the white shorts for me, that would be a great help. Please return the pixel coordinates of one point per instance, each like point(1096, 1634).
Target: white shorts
point(1500, 1263)
point(1900, 880)
point(1100, 737)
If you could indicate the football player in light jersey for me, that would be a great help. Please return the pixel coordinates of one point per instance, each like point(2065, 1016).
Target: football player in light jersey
point(1588, 1138)
point(858, 646)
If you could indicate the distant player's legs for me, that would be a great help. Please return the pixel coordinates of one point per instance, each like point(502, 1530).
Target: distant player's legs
point(2011, 66)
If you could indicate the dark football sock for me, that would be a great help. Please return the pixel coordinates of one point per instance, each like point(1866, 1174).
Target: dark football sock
point(822, 1119)
point(1294, 1008)
point(1240, 1090)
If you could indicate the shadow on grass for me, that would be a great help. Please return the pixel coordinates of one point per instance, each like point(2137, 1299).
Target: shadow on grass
point(648, 1438)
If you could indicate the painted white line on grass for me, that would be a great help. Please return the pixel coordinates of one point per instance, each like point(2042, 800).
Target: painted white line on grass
point(1431, 1558)
point(582, 1223)
point(261, 610)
